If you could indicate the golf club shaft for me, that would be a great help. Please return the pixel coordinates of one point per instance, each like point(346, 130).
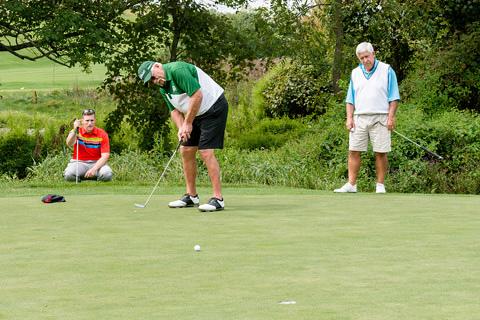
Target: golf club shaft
point(410, 140)
point(76, 173)
point(163, 173)
point(420, 146)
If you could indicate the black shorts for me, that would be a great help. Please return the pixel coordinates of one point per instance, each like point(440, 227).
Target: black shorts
point(208, 129)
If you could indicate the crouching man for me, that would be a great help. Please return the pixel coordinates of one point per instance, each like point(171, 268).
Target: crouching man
point(91, 150)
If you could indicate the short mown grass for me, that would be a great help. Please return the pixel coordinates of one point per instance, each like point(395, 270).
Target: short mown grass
point(362, 256)
point(43, 74)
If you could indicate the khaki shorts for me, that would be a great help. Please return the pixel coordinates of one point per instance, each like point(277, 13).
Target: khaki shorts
point(370, 127)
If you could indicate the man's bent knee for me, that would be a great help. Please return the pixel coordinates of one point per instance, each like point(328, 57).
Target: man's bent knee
point(105, 174)
point(105, 177)
point(69, 176)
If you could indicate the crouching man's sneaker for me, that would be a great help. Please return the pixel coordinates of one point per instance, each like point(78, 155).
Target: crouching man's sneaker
point(214, 204)
point(347, 187)
point(380, 188)
point(185, 202)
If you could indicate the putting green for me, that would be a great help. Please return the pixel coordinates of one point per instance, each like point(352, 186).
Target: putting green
point(361, 256)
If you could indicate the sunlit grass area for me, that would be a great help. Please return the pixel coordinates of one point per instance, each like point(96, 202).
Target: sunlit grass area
point(329, 256)
point(43, 74)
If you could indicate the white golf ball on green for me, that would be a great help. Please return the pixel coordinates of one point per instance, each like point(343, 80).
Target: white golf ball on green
point(197, 247)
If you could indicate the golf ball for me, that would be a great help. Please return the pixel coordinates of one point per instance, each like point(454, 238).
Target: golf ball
point(196, 248)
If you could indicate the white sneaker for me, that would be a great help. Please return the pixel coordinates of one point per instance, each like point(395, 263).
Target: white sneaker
point(185, 202)
point(214, 204)
point(380, 188)
point(347, 187)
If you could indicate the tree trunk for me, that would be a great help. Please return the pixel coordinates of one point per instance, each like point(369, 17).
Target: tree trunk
point(174, 46)
point(338, 54)
point(176, 11)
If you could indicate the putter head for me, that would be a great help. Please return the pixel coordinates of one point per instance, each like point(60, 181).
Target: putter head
point(139, 205)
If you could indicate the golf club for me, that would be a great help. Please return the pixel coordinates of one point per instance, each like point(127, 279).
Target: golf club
point(138, 205)
point(410, 140)
point(76, 173)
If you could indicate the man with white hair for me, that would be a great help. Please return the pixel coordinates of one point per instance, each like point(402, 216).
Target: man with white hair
point(371, 104)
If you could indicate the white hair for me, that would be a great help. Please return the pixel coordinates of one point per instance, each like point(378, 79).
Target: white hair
point(364, 47)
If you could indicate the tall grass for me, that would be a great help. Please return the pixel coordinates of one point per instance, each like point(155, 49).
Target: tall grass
point(311, 154)
point(318, 159)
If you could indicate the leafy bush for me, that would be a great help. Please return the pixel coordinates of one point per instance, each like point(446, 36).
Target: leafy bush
point(142, 107)
point(45, 124)
point(17, 153)
point(449, 77)
point(24, 140)
point(293, 90)
point(318, 159)
point(270, 133)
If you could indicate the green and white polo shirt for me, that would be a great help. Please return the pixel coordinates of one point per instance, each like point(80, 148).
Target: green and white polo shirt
point(182, 80)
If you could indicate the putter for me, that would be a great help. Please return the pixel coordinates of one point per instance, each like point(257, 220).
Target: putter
point(410, 140)
point(138, 205)
point(421, 147)
point(76, 173)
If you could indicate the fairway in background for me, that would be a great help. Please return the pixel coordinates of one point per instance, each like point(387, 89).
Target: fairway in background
point(44, 74)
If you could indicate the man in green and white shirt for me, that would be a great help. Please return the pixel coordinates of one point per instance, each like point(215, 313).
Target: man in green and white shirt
point(199, 110)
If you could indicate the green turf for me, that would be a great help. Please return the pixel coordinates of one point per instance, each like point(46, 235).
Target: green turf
point(362, 256)
point(43, 74)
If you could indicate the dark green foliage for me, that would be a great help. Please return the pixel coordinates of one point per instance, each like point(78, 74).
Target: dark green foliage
point(17, 152)
point(318, 158)
point(282, 31)
point(270, 134)
point(67, 31)
point(385, 24)
point(460, 70)
point(142, 107)
point(24, 144)
point(460, 13)
point(448, 77)
point(294, 90)
point(164, 31)
point(399, 30)
point(454, 135)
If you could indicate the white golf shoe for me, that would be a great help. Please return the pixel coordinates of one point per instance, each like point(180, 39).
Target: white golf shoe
point(347, 187)
point(214, 204)
point(380, 188)
point(185, 202)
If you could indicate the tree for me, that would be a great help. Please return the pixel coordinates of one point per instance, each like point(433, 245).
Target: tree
point(121, 34)
point(163, 31)
point(169, 30)
point(67, 32)
point(338, 53)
